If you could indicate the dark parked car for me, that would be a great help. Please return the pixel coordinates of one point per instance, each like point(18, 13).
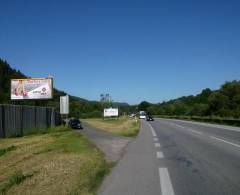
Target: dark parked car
point(75, 124)
point(149, 118)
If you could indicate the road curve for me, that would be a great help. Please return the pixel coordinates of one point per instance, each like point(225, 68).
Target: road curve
point(176, 157)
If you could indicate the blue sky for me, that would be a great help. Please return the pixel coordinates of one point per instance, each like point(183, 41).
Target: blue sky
point(134, 50)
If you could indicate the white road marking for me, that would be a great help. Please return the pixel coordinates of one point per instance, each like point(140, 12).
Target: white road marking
point(157, 145)
point(224, 127)
point(165, 182)
point(189, 129)
point(179, 126)
point(155, 139)
point(225, 141)
point(153, 131)
point(160, 155)
point(194, 131)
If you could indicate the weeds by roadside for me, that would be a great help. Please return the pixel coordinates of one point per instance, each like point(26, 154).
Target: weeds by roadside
point(121, 126)
point(15, 179)
point(60, 161)
point(8, 149)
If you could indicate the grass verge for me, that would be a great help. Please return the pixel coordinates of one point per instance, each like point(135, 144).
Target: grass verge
point(123, 126)
point(15, 179)
point(8, 149)
point(61, 161)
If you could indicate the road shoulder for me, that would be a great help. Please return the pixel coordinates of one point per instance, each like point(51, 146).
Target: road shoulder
point(111, 145)
point(136, 172)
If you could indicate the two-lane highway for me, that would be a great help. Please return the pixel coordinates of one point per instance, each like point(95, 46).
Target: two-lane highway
point(201, 159)
point(178, 157)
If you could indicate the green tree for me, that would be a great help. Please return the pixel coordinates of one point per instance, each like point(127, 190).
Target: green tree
point(218, 102)
point(144, 106)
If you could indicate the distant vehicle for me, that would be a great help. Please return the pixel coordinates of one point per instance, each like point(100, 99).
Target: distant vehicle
point(142, 115)
point(75, 124)
point(149, 118)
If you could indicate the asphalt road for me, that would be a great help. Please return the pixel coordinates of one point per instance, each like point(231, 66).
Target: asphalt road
point(177, 157)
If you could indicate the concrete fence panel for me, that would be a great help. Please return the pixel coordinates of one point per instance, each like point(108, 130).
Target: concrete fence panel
point(16, 120)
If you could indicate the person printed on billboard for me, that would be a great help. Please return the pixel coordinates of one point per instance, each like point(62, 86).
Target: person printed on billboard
point(20, 90)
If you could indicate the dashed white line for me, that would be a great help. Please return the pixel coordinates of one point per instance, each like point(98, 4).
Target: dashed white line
point(153, 131)
point(157, 145)
point(160, 155)
point(165, 182)
point(233, 144)
point(155, 139)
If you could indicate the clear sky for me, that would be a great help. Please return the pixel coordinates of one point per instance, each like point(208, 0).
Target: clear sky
point(134, 50)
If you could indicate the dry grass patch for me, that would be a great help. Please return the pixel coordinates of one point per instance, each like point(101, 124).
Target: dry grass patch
point(54, 163)
point(122, 126)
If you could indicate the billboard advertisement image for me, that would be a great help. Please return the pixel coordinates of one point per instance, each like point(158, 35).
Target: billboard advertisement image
point(110, 112)
point(34, 88)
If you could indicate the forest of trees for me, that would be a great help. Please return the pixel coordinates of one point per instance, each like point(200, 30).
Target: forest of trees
point(78, 107)
point(224, 102)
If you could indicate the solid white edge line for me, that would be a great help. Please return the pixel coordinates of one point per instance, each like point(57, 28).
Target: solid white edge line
point(189, 129)
point(155, 139)
point(165, 182)
point(194, 131)
point(229, 128)
point(180, 126)
point(152, 130)
point(225, 141)
point(157, 145)
point(160, 155)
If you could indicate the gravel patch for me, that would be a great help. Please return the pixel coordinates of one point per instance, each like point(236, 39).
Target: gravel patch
point(111, 145)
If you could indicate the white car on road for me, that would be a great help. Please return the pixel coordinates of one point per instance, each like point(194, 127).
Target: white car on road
point(142, 115)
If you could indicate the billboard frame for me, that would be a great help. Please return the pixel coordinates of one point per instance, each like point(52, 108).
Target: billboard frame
point(29, 78)
point(105, 110)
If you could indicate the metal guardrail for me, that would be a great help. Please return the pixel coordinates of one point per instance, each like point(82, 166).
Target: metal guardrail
point(18, 120)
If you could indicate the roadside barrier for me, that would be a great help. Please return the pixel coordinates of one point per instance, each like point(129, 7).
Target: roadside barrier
point(18, 120)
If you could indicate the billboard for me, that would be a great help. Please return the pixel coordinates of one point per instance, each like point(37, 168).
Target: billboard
point(33, 88)
point(109, 112)
point(64, 104)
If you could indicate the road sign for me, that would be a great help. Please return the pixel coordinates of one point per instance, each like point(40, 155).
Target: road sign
point(64, 104)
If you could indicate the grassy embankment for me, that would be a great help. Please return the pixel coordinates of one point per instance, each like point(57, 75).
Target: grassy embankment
point(213, 120)
point(122, 126)
point(60, 161)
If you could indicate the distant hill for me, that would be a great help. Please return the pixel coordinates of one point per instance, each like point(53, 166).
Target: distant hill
point(6, 74)
point(120, 104)
point(224, 102)
point(79, 107)
point(78, 99)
